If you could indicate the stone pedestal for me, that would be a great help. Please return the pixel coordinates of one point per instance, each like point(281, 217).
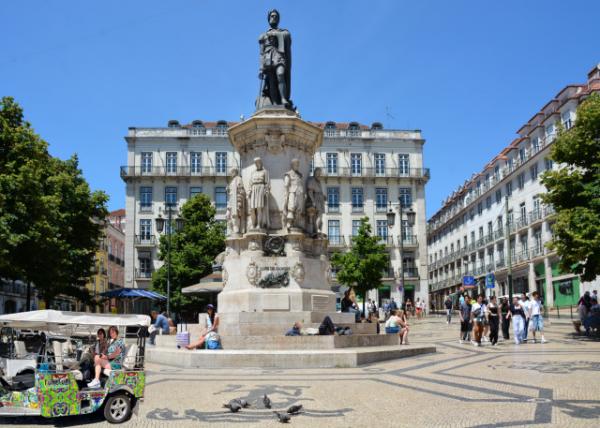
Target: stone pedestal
point(273, 268)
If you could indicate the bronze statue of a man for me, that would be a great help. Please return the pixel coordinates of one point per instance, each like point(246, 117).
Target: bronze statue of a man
point(275, 65)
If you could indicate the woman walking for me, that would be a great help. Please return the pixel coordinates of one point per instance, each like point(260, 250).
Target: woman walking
point(504, 308)
point(517, 314)
point(493, 317)
point(536, 323)
point(477, 316)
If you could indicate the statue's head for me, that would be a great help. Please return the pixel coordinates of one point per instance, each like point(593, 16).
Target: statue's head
point(233, 172)
point(258, 163)
point(273, 17)
point(295, 164)
point(317, 172)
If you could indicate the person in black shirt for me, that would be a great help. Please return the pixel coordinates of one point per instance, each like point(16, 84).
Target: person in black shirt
point(504, 307)
point(517, 314)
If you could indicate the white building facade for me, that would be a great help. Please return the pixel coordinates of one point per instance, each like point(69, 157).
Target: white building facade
point(468, 235)
point(365, 171)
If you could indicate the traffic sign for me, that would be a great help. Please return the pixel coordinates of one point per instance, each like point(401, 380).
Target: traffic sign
point(469, 281)
point(490, 280)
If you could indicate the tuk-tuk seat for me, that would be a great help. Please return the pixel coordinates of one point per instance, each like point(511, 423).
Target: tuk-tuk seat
point(20, 350)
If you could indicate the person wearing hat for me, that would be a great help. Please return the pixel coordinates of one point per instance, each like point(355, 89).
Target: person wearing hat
point(210, 332)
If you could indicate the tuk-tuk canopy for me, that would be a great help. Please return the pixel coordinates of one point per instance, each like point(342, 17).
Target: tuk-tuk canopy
point(57, 320)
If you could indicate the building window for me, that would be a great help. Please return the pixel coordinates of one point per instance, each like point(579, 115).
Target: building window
point(535, 144)
point(221, 162)
point(356, 163)
point(333, 199)
point(405, 196)
point(498, 196)
point(145, 197)
point(332, 163)
point(145, 263)
point(534, 172)
point(550, 131)
point(198, 128)
point(333, 231)
point(403, 164)
point(353, 130)
point(355, 227)
point(145, 229)
point(479, 208)
point(171, 195)
point(522, 154)
point(521, 180)
point(171, 162)
point(548, 164)
point(330, 129)
point(195, 191)
point(146, 162)
point(196, 162)
point(381, 199)
point(220, 198)
point(566, 119)
point(382, 229)
point(357, 199)
point(221, 128)
point(509, 189)
point(497, 172)
point(380, 164)
point(537, 208)
point(488, 202)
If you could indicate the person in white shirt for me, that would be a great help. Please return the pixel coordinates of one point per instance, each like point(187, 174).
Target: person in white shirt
point(477, 316)
point(525, 304)
point(536, 322)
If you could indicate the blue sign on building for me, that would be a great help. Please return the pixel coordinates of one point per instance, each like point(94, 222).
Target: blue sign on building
point(490, 280)
point(469, 281)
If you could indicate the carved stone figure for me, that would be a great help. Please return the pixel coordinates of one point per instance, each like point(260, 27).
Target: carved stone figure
point(293, 204)
point(298, 272)
point(236, 210)
point(275, 65)
point(315, 203)
point(258, 198)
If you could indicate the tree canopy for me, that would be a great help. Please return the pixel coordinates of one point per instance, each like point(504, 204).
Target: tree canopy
point(574, 192)
point(49, 218)
point(362, 266)
point(193, 251)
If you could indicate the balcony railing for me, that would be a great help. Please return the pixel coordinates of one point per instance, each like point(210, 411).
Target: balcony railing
point(376, 172)
point(535, 215)
point(336, 241)
point(522, 256)
point(498, 234)
point(522, 222)
point(179, 171)
point(408, 241)
point(500, 263)
point(411, 272)
point(145, 240)
point(548, 210)
point(333, 208)
point(388, 241)
point(143, 274)
point(537, 251)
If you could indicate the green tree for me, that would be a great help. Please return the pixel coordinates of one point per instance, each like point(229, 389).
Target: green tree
point(574, 192)
point(361, 268)
point(48, 235)
point(193, 251)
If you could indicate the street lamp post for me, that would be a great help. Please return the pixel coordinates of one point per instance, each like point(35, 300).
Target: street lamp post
point(160, 225)
point(410, 219)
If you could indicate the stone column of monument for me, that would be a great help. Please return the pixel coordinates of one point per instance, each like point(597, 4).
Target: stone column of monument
point(280, 263)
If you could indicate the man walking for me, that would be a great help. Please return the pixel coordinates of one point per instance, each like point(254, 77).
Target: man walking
point(465, 321)
point(448, 305)
point(536, 321)
point(525, 304)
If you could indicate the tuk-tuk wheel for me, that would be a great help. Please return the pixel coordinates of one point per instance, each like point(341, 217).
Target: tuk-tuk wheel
point(117, 408)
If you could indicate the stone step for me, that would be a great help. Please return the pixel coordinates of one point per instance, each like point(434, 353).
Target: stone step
point(292, 342)
point(261, 329)
point(307, 342)
point(283, 359)
point(284, 317)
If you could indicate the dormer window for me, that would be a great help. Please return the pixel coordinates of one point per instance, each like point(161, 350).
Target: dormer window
point(353, 129)
point(376, 126)
point(330, 129)
point(198, 128)
point(221, 128)
point(173, 124)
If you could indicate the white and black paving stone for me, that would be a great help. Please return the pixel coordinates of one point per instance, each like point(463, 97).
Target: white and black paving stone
point(556, 384)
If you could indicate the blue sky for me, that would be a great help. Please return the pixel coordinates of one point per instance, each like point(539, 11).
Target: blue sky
point(468, 73)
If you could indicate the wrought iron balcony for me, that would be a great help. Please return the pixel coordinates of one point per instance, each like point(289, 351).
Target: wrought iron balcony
point(375, 172)
point(336, 241)
point(145, 240)
point(143, 274)
point(129, 171)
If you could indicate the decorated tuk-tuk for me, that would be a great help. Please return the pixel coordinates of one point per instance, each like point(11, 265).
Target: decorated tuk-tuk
point(45, 360)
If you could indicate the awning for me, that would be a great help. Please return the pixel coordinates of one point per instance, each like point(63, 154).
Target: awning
point(44, 318)
point(132, 293)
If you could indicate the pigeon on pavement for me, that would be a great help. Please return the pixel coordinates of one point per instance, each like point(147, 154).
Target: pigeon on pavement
point(294, 410)
point(242, 402)
point(233, 406)
point(283, 418)
point(266, 402)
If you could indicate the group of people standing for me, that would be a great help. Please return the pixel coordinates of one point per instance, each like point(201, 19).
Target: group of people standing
point(481, 318)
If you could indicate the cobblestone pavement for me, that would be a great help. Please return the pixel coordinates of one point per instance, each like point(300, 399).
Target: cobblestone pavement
point(552, 384)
